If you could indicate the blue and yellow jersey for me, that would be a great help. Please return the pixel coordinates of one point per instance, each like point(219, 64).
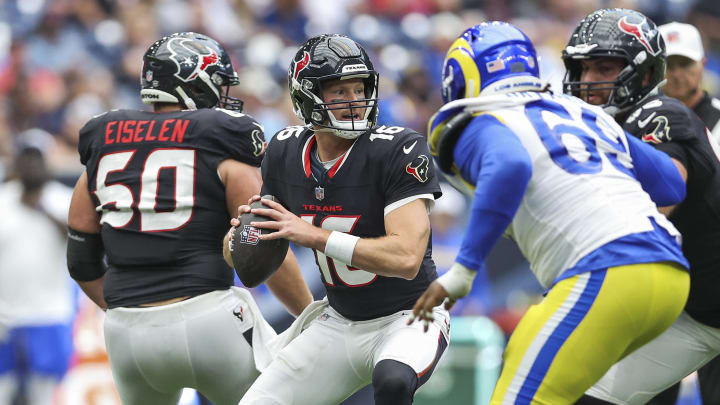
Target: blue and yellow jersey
point(561, 178)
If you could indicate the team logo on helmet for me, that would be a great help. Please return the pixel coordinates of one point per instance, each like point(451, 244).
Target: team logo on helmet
point(301, 64)
point(186, 52)
point(419, 168)
point(637, 31)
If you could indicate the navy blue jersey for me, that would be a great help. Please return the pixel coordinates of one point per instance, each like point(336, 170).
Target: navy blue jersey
point(154, 180)
point(380, 171)
point(673, 128)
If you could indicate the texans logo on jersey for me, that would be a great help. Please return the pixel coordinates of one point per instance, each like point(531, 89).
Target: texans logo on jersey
point(419, 168)
point(258, 143)
point(189, 53)
point(250, 235)
point(661, 132)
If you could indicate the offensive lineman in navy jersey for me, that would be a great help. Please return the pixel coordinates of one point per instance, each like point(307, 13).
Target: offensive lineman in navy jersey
point(358, 195)
point(155, 198)
point(616, 59)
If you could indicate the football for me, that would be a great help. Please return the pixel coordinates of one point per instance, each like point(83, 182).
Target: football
point(256, 260)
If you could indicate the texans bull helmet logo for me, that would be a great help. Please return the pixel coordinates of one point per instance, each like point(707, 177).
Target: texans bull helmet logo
point(419, 168)
point(301, 64)
point(650, 39)
point(191, 58)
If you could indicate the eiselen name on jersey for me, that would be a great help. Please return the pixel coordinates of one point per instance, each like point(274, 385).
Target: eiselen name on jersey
point(133, 131)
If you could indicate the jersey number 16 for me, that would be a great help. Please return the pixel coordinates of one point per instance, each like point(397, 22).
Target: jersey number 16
point(348, 275)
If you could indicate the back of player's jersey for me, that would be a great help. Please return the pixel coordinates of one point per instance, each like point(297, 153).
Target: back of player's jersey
point(162, 205)
point(583, 192)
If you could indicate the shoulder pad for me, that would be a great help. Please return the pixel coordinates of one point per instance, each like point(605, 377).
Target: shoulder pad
point(381, 135)
point(90, 131)
point(97, 120)
point(661, 119)
point(289, 132)
point(286, 139)
point(233, 120)
point(445, 130)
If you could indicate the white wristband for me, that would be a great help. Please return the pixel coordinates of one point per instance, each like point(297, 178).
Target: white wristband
point(457, 281)
point(340, 246)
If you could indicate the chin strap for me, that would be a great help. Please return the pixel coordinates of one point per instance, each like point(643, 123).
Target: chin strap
point(189, 103)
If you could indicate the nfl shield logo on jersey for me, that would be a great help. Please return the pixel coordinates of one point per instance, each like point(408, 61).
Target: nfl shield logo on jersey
point(319, 193)
point(250, 235)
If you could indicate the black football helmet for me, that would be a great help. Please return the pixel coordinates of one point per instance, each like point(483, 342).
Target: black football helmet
point(617, 33)
point(331, 57)
point(189, 69)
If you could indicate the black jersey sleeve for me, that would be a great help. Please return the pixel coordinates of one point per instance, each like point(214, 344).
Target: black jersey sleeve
point(409, 169)
point(235, 136)
point(669, 126)
point(268, 164)
point(87, 136)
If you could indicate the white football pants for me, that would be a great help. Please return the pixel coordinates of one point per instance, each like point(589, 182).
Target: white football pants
point(334, 357)
point(198, 343)
point(683, 348)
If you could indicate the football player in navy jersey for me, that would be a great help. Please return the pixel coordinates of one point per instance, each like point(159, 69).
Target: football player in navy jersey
point(155, 200)
point(616, 58)
point(358, 194)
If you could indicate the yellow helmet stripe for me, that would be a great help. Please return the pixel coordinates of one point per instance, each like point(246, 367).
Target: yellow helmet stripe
point(461, 52)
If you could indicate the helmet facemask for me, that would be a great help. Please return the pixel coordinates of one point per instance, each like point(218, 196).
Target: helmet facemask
point(311, 107)
point(322, 114)
point(620, 94)
point(333, 58)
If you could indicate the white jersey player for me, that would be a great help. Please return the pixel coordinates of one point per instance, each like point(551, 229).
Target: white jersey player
point(579, 197)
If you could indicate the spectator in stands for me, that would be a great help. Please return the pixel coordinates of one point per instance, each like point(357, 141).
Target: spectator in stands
point(685, 65)
point(36, 296)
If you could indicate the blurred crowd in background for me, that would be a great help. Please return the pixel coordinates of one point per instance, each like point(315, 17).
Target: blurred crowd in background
point(64, 61)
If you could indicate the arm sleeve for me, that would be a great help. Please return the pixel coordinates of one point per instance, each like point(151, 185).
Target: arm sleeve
point(493, 158)
point(657, 173)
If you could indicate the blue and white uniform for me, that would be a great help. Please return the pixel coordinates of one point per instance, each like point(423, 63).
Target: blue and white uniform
point(580, 198)
point(542, 156)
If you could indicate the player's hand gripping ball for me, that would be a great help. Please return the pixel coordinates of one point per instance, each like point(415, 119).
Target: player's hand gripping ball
point(255, 260)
